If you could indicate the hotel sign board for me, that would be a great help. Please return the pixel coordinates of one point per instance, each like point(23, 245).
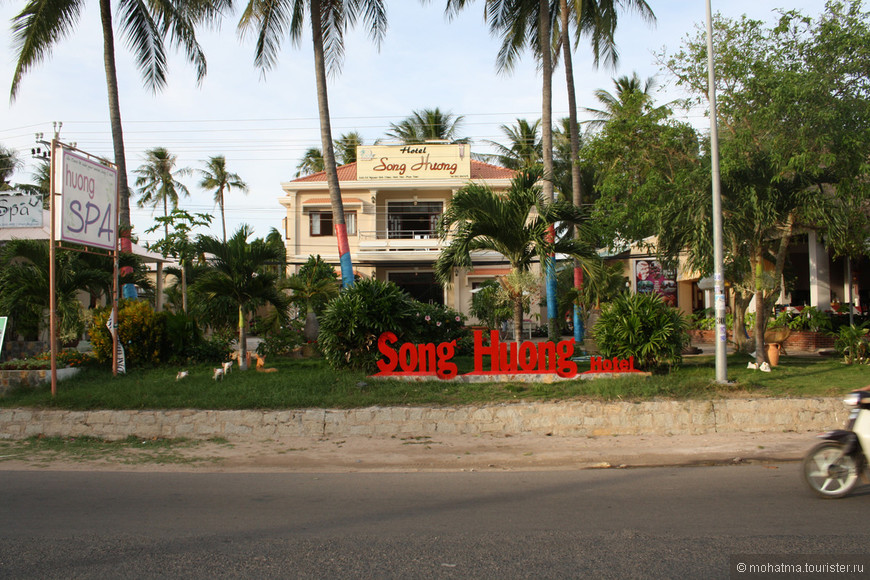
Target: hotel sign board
point(423, 161)
point(88, 196)
point(20, 211)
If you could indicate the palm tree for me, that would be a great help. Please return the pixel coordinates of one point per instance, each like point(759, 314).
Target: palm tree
point(631, 97)
point(10, 162)
point(516, 224)
point(145, 26)
point(158, 183)
point(216, 177)
point(312, 162)
point(238, 272)
point(329, 19)
point(426, 125)
point(24, 286)
point(524, 145)
point(345, 152)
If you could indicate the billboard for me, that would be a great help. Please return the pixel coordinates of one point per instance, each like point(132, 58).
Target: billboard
point(423, 161)
point(89, 214)
point(651, 278)
point(20, 211)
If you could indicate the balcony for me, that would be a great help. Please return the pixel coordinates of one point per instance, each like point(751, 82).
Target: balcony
point(413, 241)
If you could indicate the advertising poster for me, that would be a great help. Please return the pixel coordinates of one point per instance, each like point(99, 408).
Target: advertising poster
point(424, 161)
point(20, 211)
point(88, 212)
point(651, 278)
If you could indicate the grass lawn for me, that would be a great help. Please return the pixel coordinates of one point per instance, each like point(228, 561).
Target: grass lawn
point(310, 383)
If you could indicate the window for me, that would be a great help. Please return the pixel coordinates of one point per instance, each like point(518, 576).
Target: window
point(321, 223)
point(412, 219)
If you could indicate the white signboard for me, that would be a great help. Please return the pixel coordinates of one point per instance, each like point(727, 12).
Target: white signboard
point(20, 211)
point(88, 209)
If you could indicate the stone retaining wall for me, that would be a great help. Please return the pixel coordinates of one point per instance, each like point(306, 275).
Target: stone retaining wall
point(572, 418)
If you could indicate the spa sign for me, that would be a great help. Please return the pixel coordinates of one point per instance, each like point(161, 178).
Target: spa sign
point(421, 360)
point(424, 161)
point(89, 211)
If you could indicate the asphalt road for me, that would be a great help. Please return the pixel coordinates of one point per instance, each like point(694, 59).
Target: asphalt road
point(631, 523)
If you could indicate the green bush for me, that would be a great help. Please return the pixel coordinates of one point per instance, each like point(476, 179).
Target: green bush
point(282, 341)
point(141, 331)
point(436, 323)
point(853, 343)
point(352, 323)
point(644, 327)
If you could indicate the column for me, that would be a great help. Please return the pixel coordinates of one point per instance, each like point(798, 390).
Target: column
point(820, 274)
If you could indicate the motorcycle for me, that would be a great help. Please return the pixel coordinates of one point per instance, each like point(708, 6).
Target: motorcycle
point(832, 468)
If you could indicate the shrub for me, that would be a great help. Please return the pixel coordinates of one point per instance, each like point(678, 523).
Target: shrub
point(644, 327)
point(352, 323)
point(282, 341)
point(436, 323)
point(853, 343)
point(140, 330)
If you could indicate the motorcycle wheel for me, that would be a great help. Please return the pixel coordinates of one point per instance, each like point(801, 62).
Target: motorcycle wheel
point(828, 472)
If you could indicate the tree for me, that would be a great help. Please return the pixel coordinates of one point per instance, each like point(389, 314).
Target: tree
point(345, 152)
point(237, 272)
point(793, 116)
point(523, 150)
point(631, 94)
point(313, 286)
point(329, 19)
point(158, 182)
point(427, 125)
point(24, 286)
point(10, 162)
point(146, 28)
point(216, 177)
point(516, 225)
point(179, 244)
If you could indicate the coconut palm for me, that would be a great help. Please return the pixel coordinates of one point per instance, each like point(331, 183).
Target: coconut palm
point(238, 273)
point(329, 19)
point(630, 97)
point(10, 162)
point(158, 182)
point(427, 125)
point(345, 152)
point(516, 224)
point(216, 177)
point(146, 27)
point(524, 145)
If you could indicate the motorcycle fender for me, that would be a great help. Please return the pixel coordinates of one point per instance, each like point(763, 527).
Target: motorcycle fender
point(847, 438)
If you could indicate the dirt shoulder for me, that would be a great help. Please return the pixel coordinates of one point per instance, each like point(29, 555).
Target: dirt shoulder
point(413, 454)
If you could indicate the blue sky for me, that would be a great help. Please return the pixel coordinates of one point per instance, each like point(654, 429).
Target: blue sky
point(263, 124)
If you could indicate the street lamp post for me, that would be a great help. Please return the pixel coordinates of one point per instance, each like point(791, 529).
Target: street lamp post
point(718, 261)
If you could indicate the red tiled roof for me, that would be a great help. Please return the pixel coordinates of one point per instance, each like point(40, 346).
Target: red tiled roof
point(479, 170)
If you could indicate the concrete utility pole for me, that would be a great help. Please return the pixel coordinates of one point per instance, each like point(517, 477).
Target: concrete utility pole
point(718, 261)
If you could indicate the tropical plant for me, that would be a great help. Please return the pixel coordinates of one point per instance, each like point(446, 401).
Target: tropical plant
point(488, 305)
point(158, 182)
point(437, 323)
point(329, 20)
point(141, 332)
point(311, 162)
point(345, 152)
point(216, 177)
point(427, 125)
point(179, 244)
point(630, 97)
point(237, 274)
point(25, 290)
point(352, 323)
point(313, 286)
point(524, 145)
point(644, 327)
point(10, 162)
point(853, 343)
point(146, 27)
point(516, 224)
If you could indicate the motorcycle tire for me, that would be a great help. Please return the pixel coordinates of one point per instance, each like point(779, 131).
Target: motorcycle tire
point(830, 473)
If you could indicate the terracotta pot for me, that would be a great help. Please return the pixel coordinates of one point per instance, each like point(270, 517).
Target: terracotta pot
point(773, 351)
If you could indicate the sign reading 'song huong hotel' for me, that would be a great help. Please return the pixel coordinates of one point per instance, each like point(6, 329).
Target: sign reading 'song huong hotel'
point(424, 161)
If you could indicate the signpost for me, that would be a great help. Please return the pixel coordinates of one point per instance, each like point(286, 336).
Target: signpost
point(87, 188)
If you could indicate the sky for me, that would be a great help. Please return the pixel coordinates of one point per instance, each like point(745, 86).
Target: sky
point(263, 123)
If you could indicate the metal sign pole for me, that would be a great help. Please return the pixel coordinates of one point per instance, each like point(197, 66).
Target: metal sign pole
point(52, 298)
